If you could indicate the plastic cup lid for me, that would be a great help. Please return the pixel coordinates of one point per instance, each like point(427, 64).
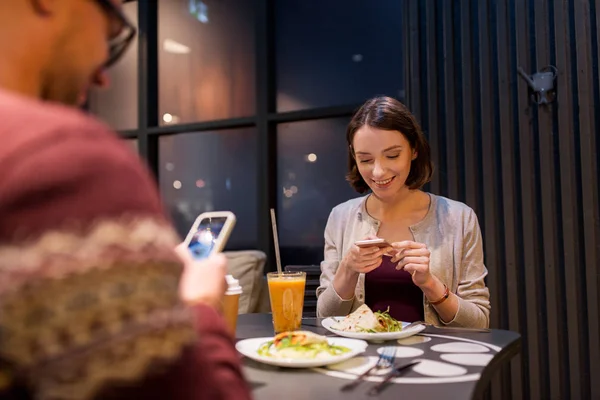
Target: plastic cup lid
point(233, 285)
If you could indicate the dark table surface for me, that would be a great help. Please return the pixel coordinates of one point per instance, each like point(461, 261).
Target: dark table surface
point(269, 382)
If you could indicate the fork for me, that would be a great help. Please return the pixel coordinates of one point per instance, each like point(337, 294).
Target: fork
point(386, 359)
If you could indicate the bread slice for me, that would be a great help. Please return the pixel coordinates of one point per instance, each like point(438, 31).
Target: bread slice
point(362, 319)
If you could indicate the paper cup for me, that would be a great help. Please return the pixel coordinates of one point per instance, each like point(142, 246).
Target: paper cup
point(231, 302)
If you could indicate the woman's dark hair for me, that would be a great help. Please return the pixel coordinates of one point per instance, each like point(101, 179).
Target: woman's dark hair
point(389, 114)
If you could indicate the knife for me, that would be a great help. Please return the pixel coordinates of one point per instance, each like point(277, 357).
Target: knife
point(397, 371)
point(449, 328)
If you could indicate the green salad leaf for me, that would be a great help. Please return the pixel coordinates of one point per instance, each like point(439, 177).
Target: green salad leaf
point(387, 323)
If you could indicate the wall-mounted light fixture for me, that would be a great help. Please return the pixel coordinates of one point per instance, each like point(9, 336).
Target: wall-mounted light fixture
point(541, 84)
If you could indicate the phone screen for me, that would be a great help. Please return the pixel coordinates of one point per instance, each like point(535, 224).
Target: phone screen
point(204, 239)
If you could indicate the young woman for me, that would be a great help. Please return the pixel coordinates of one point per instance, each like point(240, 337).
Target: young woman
point(433, 269)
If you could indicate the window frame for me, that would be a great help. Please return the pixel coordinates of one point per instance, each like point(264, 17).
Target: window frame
point(265, 120)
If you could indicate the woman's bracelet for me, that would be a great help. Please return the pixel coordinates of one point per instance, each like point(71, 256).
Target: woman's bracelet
point(443, 298)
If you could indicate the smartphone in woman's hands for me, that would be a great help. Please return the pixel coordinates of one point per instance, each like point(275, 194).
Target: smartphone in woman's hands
point(381, 243)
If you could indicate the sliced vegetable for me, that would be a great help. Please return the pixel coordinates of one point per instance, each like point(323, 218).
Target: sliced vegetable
point(298, 345)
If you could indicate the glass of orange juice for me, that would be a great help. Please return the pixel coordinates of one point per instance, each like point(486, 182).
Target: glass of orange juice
point(286, 291)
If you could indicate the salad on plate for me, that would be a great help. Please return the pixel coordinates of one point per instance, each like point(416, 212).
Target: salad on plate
point(365, 324)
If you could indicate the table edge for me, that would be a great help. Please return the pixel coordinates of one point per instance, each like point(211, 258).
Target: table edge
point(503, 357)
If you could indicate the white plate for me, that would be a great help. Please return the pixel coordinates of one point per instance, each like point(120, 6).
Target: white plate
point(381, 336)
point(249, 348)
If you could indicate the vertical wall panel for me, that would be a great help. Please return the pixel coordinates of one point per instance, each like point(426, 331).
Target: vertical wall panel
point(433, 130)
point(547, 211)
point(507, 127)
point(530, 171)
point(525, 192)
point(568, 131)
point(587, 196)
point(468, 143)
point(452, 101)
point(591, 167)
point(489, 218)
point(414, 83)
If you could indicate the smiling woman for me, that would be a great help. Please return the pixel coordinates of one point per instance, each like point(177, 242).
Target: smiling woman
point(371, 135)
point(433, 268)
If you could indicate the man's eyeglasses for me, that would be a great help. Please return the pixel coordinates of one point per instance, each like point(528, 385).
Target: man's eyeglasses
point(122, 31)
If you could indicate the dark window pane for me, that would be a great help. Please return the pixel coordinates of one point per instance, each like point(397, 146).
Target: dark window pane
point(206, 54)
point(311, 164)
point(134, 144)
point(211, 171)
point(117, 105)
point(337, 52)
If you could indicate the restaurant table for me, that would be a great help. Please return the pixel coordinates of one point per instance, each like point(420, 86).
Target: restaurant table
point(474, 359)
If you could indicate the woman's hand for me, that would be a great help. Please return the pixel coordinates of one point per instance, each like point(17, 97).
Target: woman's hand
point(413, 257)
point(364, 259)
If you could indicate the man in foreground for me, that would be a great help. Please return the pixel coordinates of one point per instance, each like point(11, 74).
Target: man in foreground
point(90, 305)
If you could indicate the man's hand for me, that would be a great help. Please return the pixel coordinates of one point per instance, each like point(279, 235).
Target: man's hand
point(202, 281)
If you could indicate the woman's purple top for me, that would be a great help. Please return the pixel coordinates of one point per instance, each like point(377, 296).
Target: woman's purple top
point(387, 287)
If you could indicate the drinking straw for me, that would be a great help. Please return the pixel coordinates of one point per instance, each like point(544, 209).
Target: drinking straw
point(276, 240)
